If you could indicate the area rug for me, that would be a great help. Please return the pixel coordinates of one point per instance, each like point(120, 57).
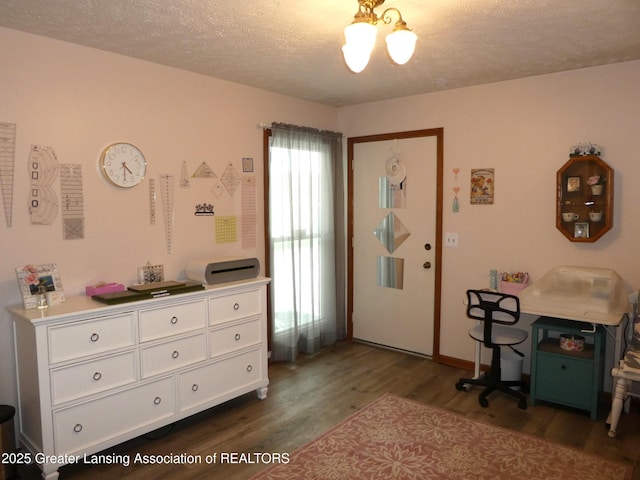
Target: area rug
point(397, 438)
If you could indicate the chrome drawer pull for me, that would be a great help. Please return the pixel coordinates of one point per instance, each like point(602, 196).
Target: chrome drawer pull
point(97, 376)
point(175, 354)
point(77, 428)
point(157, 401)
point(94, 337)
point(237, 336)
point(236, 306)
point(194, 387)
point(249, 368)
point(174, 320)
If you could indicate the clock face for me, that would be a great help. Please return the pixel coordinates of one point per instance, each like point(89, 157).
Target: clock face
point(123, 165)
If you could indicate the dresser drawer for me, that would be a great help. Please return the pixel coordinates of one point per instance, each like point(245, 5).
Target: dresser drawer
point(80, 380)
point(78, 428)
point(170, 320)
point(235, 306)
point(168, 356)
point(91, 337)
point(235, 337)
point(565, 380)
point(206, 383)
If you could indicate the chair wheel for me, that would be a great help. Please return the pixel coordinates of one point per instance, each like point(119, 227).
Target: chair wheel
point(460, 386)
point(483, 402)
point(522, 404)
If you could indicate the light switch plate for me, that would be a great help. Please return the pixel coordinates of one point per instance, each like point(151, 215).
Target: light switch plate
point(450, 239)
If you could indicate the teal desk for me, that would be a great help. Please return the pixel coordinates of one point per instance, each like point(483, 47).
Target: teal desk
point(567, 378)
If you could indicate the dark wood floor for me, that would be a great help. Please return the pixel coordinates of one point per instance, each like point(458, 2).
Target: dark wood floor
point(308, 398)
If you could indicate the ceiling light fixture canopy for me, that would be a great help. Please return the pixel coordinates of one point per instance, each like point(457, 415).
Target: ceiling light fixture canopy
point(360, 36)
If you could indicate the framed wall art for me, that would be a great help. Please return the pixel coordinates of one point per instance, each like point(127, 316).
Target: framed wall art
point(482, 186)
point(573, 184)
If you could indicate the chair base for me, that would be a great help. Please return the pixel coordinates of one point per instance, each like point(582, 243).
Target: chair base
point(504, 386)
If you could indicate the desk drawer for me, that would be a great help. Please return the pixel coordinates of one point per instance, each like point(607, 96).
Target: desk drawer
point(83, 379)
point(169, 356)
point(233, 307)
point(171, 320)
point(91, 337)
point(564, 380)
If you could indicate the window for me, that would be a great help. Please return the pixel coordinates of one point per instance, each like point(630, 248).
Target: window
point(302, 241)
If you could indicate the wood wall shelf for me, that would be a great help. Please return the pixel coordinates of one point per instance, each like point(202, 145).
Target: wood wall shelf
point(584, 212)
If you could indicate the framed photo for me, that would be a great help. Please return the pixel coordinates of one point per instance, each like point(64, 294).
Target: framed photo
point(581, 230)
point(482, 186)
point(573, 184)
point(247, 164)
point(31, 277)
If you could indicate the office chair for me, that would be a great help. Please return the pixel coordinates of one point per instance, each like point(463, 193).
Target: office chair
point(495, 310)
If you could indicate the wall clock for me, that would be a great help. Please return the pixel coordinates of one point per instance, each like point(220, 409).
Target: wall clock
point(123, 165)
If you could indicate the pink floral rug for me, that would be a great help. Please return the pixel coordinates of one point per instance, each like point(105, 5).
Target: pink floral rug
point(397, 438)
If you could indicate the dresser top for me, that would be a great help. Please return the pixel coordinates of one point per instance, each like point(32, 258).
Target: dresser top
point(82, 306)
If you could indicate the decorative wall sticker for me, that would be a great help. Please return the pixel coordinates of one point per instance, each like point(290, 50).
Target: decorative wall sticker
point(72, 201)
point(43, 170)
point(152, 201)
point(482, 186)
point(218, 189)
point(226, 229)
point(203, 210)
point(456, 203)
point(249, 207)
point(456, 171)
point(184, 177)
point(204, 171)
point(167, 193)
point(230, 179)
point(7, 167)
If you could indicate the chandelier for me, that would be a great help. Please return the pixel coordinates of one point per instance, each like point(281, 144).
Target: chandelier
point(360, 36)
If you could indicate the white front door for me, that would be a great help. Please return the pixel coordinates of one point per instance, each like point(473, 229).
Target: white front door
point(395, 244)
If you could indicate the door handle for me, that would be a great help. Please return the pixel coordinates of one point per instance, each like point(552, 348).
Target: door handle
point(426, 265)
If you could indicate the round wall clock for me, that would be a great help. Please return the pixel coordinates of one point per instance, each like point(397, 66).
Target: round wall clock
point(123, 165)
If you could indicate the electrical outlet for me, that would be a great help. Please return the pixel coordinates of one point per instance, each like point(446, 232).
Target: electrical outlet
point(450, 239)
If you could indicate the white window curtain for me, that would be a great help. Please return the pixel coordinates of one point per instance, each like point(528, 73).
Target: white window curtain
point(306, 231)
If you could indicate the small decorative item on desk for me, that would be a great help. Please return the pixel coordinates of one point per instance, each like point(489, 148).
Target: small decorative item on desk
point(101, 288)
point(513, 283)
point(571, 343)
point(41, 298)
point(34, 280)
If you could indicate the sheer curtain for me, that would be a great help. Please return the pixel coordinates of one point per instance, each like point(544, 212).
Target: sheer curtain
point(306, 231)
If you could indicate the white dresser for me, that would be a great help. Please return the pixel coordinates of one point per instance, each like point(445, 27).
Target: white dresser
point(91, 376)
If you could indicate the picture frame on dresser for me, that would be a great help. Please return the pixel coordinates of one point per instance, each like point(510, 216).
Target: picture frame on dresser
point(31, 277)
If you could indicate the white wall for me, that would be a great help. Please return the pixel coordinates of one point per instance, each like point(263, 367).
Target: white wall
point(523, 129)
point(79, 100)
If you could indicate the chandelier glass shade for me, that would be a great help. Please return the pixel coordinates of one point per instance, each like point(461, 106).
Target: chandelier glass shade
point(360, 36)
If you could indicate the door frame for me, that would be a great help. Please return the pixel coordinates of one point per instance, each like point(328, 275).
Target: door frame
point(351, 142)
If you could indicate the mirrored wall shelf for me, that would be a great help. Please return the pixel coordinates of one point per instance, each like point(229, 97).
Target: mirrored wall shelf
point(584, 208)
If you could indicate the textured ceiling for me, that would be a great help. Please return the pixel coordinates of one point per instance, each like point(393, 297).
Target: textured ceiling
point(292, 47)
